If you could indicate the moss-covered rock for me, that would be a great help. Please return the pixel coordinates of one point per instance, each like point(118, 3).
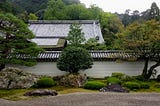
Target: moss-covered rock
point(73, 80)
point(13, 78)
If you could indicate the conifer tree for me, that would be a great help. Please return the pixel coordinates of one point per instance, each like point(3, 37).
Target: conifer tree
point(75, 35)
point(15, 42)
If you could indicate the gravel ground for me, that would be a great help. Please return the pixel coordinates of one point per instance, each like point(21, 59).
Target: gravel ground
point(91, 99)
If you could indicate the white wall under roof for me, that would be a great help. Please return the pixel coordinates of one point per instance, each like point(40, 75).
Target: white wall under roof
point(48, 41)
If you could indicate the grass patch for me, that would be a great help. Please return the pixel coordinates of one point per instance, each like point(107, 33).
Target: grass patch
point(17, 94)
point(13, 94)
point(74, 90)
point(152, 87)
point(94, 85)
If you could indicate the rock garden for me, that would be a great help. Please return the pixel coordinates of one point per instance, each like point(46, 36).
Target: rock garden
point(16, 84)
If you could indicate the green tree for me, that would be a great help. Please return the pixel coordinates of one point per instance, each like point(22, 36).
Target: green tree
point(32, 16)
point(69, 2)
point(96, 12)
point(92, 44)
point(31, 6)
point(77, 12)
point(5, 6)
point(75, 35)
point(135, 16)
point(154, 12)
point(74, 59)
point(15, 41)
point(143, 39)
point(23, 16)
point(55, 10)
point(126, 20)
point(110, 26)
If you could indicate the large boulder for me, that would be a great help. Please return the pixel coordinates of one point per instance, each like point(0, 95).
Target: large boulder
point(41, 92)
point(13, 78)
point(114, 88)
point(73, 80)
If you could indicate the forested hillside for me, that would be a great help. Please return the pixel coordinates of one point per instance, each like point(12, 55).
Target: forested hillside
point(34, 6)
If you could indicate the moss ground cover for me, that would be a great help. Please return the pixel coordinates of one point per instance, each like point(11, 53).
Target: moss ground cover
point(18, 94)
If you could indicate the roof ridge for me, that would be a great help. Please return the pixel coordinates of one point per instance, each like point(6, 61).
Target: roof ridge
point(63, 21)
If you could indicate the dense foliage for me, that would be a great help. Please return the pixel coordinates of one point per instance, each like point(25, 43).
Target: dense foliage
point(94, 85)
point(143, 39)
point(92, 44)
point(15, 40)
point(111, 24)
point(74, 59)
point(45, 82)
point(132, 85)
point(75, 36)
point(113, 80)
point(5, 6)
point(57, 9)
point(118, 75)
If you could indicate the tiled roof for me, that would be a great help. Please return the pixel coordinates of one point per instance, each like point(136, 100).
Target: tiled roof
point(96, 55)
point(59, 29)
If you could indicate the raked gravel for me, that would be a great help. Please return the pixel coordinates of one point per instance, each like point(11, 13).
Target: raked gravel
point(91, 99)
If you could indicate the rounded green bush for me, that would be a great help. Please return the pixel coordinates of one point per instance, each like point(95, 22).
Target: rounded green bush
point(157, 85)
point(113, 80)
point(74, 59)
point(140, 78)
point(118, 75)
point(45, 82)
point(94, 85)
point(127, 78)
point(144, 85)
point(132, 85)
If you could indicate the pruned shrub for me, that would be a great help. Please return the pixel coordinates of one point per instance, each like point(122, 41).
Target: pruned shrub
point(45, 82)
point(123, 77)
point(94, 85)
point(140, 78)
point(118, 75)
point(144, 85)
point(132, 85)
point(74, 59)
point(113, 80)
point(127, 78)
point(157, 85)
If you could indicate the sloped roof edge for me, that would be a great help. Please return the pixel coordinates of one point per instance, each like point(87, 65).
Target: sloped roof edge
point(63, 21)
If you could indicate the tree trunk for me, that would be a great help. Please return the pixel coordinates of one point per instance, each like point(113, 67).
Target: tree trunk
point(150, 71)
point(2, 66)
point(145, 69)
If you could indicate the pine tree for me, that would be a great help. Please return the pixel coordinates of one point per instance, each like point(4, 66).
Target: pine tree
point(154, 12)
point(75, 35)
point(15, 42)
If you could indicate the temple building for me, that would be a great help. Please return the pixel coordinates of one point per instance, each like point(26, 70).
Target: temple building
point(50, 34)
